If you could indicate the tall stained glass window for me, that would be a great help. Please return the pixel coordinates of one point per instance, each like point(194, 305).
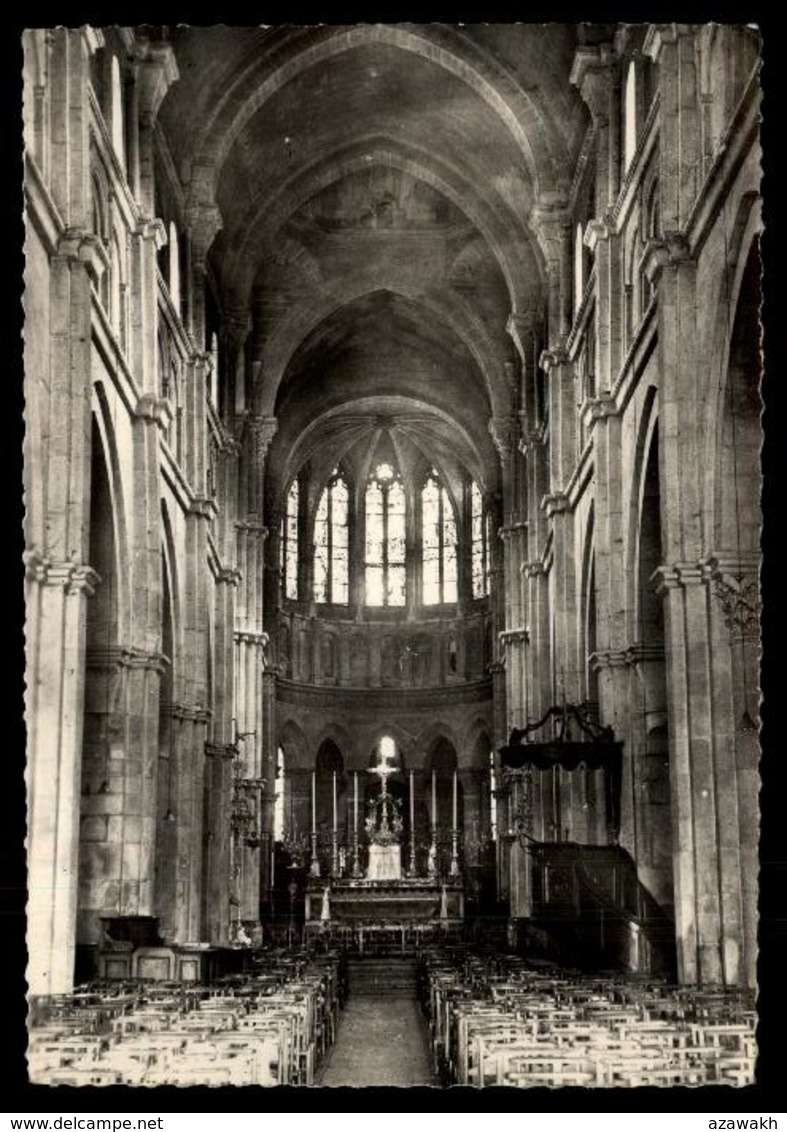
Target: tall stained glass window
point(479, 536)
point(438, 526)
point(289, 542)
point(385, 538)
point(331, 543)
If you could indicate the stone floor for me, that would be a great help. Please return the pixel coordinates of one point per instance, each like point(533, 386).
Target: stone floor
point(380, 1041)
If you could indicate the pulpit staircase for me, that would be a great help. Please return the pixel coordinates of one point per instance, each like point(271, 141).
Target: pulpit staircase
point(592, 904)
point(382, 977)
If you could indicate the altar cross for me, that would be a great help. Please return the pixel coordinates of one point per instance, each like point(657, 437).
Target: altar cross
point(384, 767)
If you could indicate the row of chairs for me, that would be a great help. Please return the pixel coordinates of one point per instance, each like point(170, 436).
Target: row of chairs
point(266, 1028)
point(497, 1020)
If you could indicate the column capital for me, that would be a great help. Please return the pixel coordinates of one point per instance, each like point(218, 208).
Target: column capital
point(260, 640)
point(602, 407)
point(520, 325)
point(251, 525)
point(158, 70)
point(640, 652)
point(201, 507)
point(504, 432)
point(510, 637)
point(555, 503)
point(72, 577)
point(263, 430)
point(553, 358)
point(152, 229)
point(552, 221)
point(78, 245)
point(220, 751)
point(154, 410)
point(204, 221)
point(153, 660)
point(661, 35)
point(229, 575)
point(679, 575)
point(532, 569)
point(125, 656)
point(596, 230)
point(532, 438)
point(593, 71)
point(192, 713)
point(609, 658)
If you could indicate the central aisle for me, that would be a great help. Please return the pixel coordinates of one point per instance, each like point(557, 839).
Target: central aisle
point(382, 1036)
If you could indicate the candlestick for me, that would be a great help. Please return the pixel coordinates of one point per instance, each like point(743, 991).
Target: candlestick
point(412, 825)
point(335, 840)
point(314, 803)
point(454, 856)
point(434, 801)
point(314, 868)
point(356, 861)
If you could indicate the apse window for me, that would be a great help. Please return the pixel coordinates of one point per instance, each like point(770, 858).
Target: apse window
point(278, 801)
point(331, 543)
point(385, 514)
point(289, 542)
point(439, 543)
point(480, 527)
point(630, 116)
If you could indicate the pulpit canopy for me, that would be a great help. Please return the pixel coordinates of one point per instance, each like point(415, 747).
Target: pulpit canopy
point(576, 740)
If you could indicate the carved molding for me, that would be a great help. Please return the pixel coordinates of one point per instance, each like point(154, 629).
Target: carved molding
point(555, 503)
point(602, 407)
point(510, 637)
point(553, 358)
point(154, 230)
point(504, 432)
point(229, 575)
point(252, 526)
point(609, 658)
point(203, 508)
point(154, 410)
point(678, 575)
point(73, 577)
point(158, 70)
point(263, 430)
point(242, 637)
point(353, 700)
point(192, 713)
point(533, 569)
point(220, 751)
point(596, 230)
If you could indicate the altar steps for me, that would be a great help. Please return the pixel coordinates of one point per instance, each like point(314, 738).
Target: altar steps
point(382, 977)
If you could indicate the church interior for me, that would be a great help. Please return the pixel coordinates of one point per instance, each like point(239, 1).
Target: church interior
point(392, 542)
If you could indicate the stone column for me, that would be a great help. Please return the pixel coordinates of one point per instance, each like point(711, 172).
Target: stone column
point(218, 795)
point(58, 579)
point(270, 748)
point(554, 229)
point(250, 642)
point(56, 600)
point(504, 431)
point(157, 70)
point(521, 899)
point(189, 728)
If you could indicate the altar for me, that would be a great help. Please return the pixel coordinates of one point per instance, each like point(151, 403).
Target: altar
point(408, 900)
point(384, 897)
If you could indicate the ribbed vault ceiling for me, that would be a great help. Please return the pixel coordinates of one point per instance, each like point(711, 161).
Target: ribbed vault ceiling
point(375, 185)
